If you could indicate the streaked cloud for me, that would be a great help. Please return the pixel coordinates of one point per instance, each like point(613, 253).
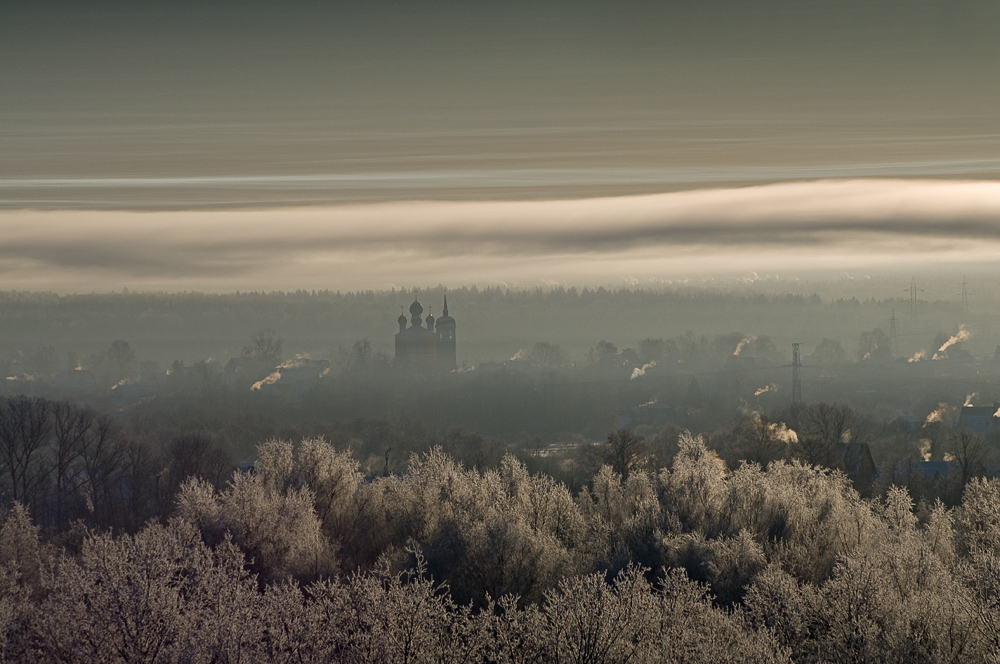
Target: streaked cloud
point(760, 227)
point(179, 192)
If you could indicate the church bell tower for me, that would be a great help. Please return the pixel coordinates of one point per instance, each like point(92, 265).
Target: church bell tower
point(445, 331)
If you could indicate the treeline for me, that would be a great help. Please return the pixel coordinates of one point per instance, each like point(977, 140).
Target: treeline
point(306, 559)
point(67, 463)
point(493, 322)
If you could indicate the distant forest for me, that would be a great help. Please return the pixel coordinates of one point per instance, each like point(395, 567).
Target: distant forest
point(493, 322)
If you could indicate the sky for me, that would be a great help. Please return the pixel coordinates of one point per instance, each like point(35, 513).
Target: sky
point(251, 146)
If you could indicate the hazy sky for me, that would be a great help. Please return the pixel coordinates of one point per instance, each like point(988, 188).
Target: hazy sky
point(374, 144)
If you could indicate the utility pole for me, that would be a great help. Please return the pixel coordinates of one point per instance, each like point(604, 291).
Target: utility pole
point(892, 335)
point(796, 376)
point(913, 290)
point(965, 295)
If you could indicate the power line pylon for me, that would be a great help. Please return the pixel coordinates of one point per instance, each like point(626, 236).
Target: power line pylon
point(913, 290)
point(796, 376)
point(894, 341)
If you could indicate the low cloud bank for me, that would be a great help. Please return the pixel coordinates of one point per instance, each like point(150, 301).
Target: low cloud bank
point(818, 219)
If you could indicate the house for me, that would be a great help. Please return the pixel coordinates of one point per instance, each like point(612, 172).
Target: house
point(856, 460)
point(979, 419)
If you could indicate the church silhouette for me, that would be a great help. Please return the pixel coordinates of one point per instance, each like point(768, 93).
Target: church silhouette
point(426, 343)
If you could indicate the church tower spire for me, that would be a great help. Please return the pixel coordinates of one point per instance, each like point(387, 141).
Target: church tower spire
point(445, 332)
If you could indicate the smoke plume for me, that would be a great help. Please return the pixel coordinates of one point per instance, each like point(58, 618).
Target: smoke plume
point(925, 449)
point(743, 342)
point(270, 380)
point(938, 414)
point(781, 431)
point(942, 352)
point(641, 371)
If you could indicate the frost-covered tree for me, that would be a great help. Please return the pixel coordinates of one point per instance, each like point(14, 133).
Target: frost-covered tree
point(277, 529)
point(159, 595)
point(450, 564)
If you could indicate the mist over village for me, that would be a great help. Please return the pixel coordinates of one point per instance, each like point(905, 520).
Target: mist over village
point(452, 332)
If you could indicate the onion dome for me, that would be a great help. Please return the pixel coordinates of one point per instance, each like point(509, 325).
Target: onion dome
point(415, 310)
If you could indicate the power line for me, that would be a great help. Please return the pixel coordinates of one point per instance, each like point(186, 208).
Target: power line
point(965, 295)
point(796, 376)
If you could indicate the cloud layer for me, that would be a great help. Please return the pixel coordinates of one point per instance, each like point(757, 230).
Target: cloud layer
point(761, 227)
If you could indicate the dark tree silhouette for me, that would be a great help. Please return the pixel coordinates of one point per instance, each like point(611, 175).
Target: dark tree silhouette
point(265, 346)
point(623, 450)
point(545, 354)
point(823, 427)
